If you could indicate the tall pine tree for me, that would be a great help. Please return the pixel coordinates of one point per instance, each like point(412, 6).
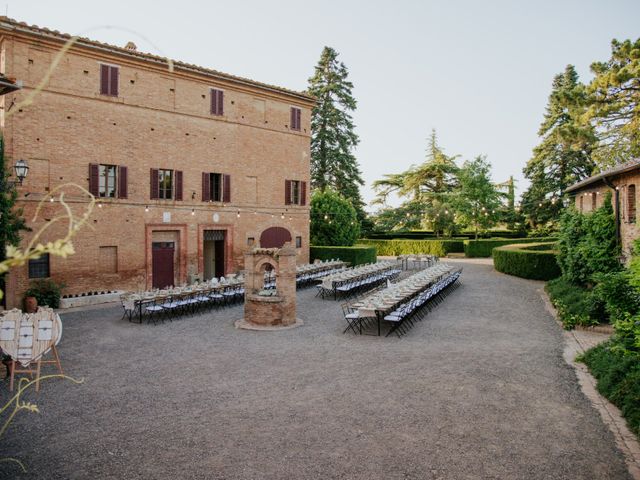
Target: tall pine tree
point(564, 155)
point(333, 137)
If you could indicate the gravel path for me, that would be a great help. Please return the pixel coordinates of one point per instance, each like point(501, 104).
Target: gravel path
point(479, 389)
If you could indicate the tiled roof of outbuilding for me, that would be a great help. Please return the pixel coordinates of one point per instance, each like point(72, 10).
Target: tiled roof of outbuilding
point(10, 24)
point(613, 171)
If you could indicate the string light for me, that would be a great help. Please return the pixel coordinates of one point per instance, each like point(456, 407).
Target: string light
point(146, 208)
point(326, 217)
point(238, 214)
point(282, 217)
point(193, 211)
point(99, 205)
point(51, 200)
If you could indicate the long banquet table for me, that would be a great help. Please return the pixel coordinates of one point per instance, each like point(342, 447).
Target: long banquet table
point(380, 303)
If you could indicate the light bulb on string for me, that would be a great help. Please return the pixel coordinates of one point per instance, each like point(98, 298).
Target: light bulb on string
point(282, 216)
point(238, 214)
point(326, 217)
point(146, 208)
point(193, 212)
point(99, 205)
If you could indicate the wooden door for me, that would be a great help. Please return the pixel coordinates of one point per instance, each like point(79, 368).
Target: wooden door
point(162, 264)
point(274, 237)
point(218, 249)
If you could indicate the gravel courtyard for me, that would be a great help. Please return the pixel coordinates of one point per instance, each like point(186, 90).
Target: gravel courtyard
point(479, 389)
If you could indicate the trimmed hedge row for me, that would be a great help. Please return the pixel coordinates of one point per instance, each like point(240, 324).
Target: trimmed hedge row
point(429, 235)
point(356, 255)
point(403, 247)
point(484, 247)
point(528, 260)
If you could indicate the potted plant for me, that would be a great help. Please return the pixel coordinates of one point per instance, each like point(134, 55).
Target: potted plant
point(43, 292)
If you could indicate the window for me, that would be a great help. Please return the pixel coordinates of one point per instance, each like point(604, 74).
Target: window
point(298, 242)
point(217, 102)
point(216, 187)
point(295, 192)
point(109, 80)
point(295, 122)
point(165, 182)
point(108, 181)
point(593, 201)
point(39, 267)
point(631, 203)
point(581, 203)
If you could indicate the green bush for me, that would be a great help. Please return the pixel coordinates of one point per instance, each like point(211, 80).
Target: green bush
point(618, 375)
point(334, 221)
point(46, 291)
point(527, 261)
point(404, 247)
point(575, 304)
point(355, 255)
point(587, 243)
point(484, 247)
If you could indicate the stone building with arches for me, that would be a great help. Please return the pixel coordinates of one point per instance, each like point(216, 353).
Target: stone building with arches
point(623, 181)
point(189, 165)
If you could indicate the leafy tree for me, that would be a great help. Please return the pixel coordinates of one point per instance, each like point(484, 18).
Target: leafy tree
point(478, 200)
point(11, 221)
point(615, 103)
point(333, 219)
point(333, 137)
point(428, 189)
point(564, 155)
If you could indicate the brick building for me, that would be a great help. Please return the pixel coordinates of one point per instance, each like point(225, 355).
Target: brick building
point(189, 165)
point(623, 181)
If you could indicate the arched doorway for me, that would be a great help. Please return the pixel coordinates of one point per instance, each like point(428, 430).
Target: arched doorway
point(274, 237)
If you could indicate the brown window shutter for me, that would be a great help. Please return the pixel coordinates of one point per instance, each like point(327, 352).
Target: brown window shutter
point(113, 81)
point(298, 118)
point(206, 187)
point(104, 79)
point(226, 188)
point(287, 192)
point(303, 193)
point(292, 120)
point(220, 102)
point(155, 185)
point(122, 182)
point(178, 185)
point(214, 101)
point(94, 172)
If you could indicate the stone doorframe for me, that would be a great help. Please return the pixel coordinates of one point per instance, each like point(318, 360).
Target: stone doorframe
point(228, 245)
point(182, 249)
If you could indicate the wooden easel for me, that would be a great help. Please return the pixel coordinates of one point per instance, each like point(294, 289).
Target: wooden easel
point(15, 368)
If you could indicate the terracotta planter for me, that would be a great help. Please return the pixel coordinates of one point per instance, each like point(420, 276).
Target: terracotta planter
point(30, 304)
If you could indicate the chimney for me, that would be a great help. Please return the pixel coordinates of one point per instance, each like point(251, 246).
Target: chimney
point(131, 46)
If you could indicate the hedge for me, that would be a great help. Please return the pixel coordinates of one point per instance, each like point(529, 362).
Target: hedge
point(356, 255)
point(484, 247)
point(402, 247)
point(527, 260)
point(429, 235)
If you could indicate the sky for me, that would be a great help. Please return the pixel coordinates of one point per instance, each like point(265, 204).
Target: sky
point(479, 72)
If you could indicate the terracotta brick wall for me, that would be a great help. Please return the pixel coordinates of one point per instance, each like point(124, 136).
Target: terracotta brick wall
point(160, 119)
